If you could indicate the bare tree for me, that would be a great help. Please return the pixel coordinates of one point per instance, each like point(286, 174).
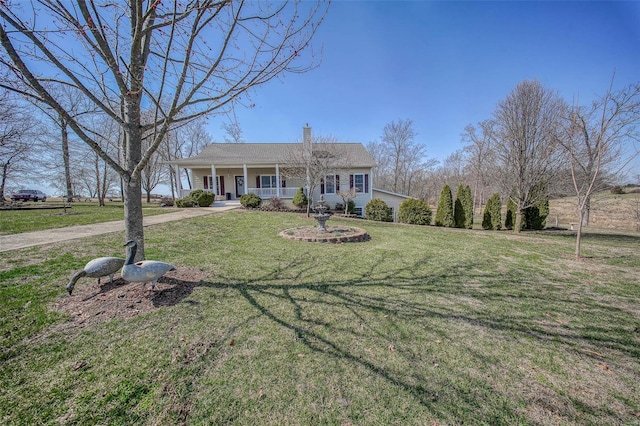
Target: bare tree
point(77, 106)
point(16, 132)
point(527, 141)
point(183, 59)
point(480, 158)
point(183, 142)
point(313, 160)
point(232, 129)
point(597, 141)
point(382, 175)
point(346, 196)
point(400, 160)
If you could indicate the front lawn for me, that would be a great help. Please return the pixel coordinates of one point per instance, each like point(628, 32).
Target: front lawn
point(419, 325)
point(18, 221)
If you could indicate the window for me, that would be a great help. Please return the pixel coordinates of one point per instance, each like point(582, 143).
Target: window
point(331, 184)
point(268, 181)
point(208, 184)
point(358, 182)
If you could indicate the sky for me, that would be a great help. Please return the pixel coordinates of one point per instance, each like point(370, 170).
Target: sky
point(443, 65)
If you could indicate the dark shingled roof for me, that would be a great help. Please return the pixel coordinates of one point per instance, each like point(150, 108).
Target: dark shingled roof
point(352, 155)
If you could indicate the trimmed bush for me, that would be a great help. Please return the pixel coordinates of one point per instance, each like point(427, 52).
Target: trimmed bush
point(414, 212)
point(250, 201)
point(459, 214)
point(444, 213)
point(195, 194)
point(185, 202)
point(204, 198)
point(300, 199)
point(492, 217)
point(535, 217)
point(378, 210)
point(467, 204)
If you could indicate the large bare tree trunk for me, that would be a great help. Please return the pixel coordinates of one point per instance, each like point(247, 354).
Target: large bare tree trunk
point(133, 214)
point(64, 134)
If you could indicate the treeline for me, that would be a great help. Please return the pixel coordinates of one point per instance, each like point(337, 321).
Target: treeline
point(534, 146)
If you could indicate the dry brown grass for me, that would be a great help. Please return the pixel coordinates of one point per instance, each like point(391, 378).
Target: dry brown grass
point(611, 211)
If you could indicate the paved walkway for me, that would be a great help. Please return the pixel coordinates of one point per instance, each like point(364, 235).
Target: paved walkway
point(37, 238)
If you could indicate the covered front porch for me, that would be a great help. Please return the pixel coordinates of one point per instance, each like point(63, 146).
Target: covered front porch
point(230, 182)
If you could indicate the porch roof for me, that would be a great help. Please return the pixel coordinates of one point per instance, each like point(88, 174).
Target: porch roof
point(236, 154)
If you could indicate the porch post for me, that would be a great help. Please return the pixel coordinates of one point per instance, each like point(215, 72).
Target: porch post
point(178, 181)
point(277, 180)
point(246, 179)
point(213, 180)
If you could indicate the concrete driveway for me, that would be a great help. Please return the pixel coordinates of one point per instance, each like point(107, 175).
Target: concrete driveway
point(30, 239)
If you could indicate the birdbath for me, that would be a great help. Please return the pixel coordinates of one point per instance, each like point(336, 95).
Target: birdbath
point(321, 214)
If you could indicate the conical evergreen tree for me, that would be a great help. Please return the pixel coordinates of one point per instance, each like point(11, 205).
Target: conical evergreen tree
point(467, 204)
point(459, 213)
point(444, 214)
point(492, 217)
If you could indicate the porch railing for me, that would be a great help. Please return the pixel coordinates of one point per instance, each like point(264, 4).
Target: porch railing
point(266, 193)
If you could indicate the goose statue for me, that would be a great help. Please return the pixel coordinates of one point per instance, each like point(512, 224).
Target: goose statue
point(143, 271)
point(100, 267)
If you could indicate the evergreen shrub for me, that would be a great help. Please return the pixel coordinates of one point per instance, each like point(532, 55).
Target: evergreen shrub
point(535, 217)
point(467, 204)
point(414, 212)
point(250, 201)
point(204, 198)
point(459, 214)
point(185, 202)
point(492, 217)
point(378, 210)
point(444, 213)
point(351, 207)
point(300, 199)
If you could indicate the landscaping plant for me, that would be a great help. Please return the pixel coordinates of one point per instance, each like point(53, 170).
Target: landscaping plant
point(444, 212)
point(378, 210)
point(414, 212)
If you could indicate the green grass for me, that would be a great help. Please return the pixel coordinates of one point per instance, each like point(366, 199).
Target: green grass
point(419, 325)
point(18, 221)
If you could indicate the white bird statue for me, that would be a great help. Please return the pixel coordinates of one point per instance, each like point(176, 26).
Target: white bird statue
point(100, 267)
point(143, 271)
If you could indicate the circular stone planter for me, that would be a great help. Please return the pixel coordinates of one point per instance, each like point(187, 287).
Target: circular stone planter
point(334, 234)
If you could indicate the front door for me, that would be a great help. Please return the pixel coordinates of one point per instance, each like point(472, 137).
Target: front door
point(239, 186)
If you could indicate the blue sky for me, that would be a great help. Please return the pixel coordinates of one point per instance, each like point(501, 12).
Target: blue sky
point(443, 65)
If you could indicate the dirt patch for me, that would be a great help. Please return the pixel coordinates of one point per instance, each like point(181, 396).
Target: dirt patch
point(91, 303)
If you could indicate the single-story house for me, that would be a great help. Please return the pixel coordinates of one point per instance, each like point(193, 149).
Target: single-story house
point(230, 170)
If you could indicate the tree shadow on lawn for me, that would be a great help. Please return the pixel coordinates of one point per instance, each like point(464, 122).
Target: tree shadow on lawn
point(506, 307)
point(451, 304)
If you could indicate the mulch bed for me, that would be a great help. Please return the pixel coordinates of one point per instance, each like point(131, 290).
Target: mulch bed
point(91, 303)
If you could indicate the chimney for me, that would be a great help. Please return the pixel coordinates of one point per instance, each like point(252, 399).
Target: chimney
point(306, 141)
